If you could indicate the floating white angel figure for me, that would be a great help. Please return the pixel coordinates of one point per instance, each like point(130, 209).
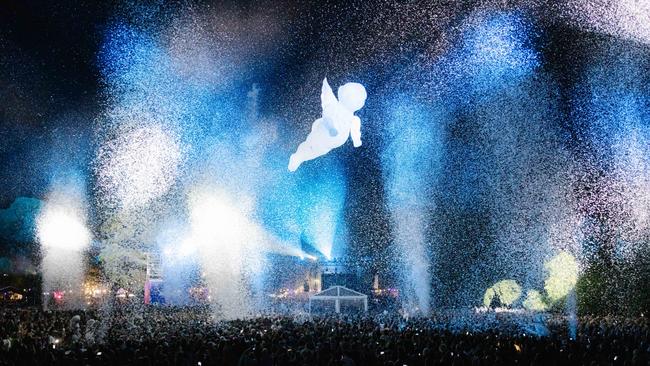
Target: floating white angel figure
point(338, 122)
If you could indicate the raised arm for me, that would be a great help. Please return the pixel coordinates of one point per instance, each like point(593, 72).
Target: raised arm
point(355, 131)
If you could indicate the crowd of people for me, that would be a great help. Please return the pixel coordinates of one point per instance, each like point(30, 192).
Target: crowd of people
point(192, 336)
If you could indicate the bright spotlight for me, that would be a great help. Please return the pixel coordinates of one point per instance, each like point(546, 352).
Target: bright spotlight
point(186, 249)
point(229, 248)
point(215, 219)
point(562, 276)
point(60, 227)
point(507, 291)
point(169, 252)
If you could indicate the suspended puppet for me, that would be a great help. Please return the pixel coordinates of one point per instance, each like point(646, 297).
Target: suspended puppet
point(338, 122)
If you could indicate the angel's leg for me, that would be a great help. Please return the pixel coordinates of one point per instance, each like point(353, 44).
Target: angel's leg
point(314, 146)
point(306, 151)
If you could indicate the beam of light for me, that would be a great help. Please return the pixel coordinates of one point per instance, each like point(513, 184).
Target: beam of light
point(174, 97)
point(321, 194)
point(321, 230)
point(219, 220)
point(410, 160)
point(139, 149)
point(562, 277)
point(483, 83)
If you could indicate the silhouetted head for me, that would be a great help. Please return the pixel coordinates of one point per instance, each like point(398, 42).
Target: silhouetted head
point(353, 96)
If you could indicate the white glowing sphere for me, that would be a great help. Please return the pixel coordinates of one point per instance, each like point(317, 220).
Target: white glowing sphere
point(563, 273)
point(507, 291)
point(61, 228)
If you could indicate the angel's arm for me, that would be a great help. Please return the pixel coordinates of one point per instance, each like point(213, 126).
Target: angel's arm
point(355, 131)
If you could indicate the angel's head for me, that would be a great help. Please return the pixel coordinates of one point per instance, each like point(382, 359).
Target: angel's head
point(353, 96)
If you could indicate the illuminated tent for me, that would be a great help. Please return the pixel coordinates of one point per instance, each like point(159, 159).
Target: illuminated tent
point(338, 296)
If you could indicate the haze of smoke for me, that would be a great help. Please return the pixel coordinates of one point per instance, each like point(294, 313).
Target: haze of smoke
point(507, 181)
point(62, 232)
point(503, 188)
point(229, 248)
point(139, 165)
point(411, 162)
point(174, 126)
point(623, 19)
point(613, 107)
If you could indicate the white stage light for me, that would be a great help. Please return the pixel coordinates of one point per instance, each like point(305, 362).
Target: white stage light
point(186, 249)
point(61, 228)
point(215, 220)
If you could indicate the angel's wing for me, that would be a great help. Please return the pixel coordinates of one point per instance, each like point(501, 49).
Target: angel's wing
point(327, 96)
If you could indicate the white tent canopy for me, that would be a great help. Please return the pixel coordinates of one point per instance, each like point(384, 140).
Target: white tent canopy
point(337, 294)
